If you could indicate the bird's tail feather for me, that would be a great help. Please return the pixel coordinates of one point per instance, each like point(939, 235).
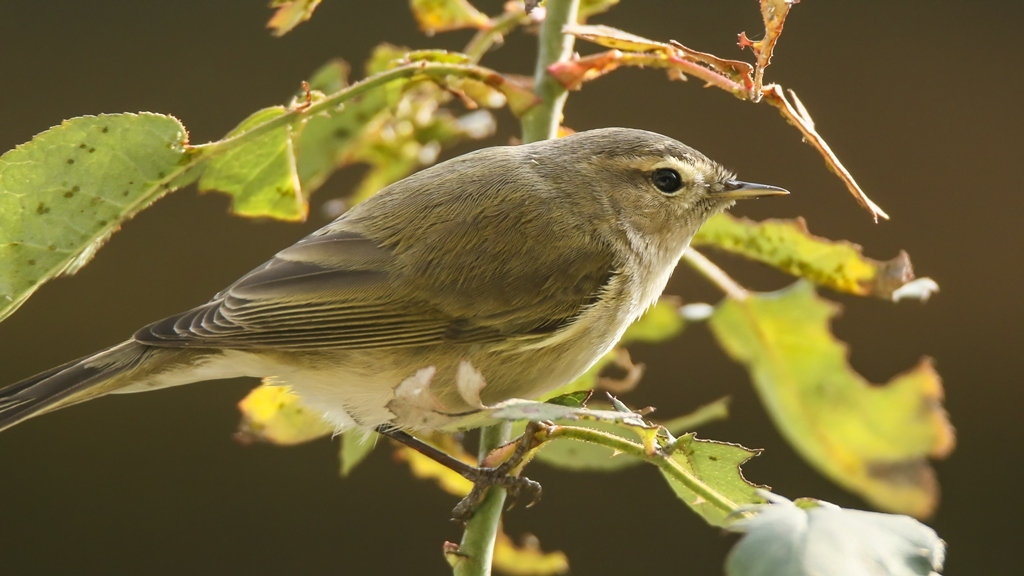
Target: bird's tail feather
point(70, 383)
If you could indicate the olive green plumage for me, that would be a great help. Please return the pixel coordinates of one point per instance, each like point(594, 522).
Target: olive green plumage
point(528, 262)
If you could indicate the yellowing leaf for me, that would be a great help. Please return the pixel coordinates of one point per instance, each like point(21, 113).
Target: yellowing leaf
point(260, 174)
point(274, 414)
point(290, 13)
point(427, 468)
point(873, 440)
point(436, 55)
point(790, 247)
point(67, 190)
point(590, 8)
point(614, 38)
point(716, 464)
point(528, 559)
point(444, 15)
point(475, 93)
point(520, 98)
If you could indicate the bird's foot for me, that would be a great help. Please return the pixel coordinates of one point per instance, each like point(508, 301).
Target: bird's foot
point(519, 488)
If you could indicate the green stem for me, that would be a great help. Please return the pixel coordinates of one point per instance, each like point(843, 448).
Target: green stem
point(485, 39)
point(541, 122)
point(477, 546)
point(332, 101)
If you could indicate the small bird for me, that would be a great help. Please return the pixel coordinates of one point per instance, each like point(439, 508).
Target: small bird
point(528, 262)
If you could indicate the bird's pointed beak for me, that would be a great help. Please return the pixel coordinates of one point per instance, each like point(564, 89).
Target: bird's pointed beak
point(737, 190)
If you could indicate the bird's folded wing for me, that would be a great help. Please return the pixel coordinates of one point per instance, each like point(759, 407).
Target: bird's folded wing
point(342, 290)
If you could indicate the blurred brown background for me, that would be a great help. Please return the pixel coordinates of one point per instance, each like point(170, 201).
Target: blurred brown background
point(920, 99)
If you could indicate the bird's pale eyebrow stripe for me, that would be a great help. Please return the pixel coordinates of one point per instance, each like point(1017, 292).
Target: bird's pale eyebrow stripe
point(686, 167)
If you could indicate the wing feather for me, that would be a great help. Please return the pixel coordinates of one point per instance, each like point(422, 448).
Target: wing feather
point(383, 276)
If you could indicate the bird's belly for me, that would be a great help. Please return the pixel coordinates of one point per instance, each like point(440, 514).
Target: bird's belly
point(358, 388)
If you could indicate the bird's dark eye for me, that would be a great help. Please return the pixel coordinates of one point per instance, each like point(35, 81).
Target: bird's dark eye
point(667, 180)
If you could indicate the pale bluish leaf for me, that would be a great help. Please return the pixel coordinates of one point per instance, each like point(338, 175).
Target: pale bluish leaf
point(813, 538)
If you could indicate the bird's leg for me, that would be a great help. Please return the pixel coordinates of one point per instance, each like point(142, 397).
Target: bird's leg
point(482, 478)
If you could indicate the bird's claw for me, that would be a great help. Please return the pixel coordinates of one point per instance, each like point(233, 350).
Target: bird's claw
point(519, 488)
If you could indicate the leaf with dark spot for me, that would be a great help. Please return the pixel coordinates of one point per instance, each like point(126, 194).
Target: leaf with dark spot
point(39, 210)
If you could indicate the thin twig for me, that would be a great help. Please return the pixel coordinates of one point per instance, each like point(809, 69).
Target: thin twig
point(712, 272)
point(709, 76)
point(797, 115)
point(738, 78)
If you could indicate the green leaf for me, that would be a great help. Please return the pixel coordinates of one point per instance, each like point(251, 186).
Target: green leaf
point(261, 173)
point(872, 439)
point(330, 77)
point(572, 399)
point(274, 414)
point(571, 454)
point(790, 247)
point(356, 445)
point(290, 13)
point(384, 57)
point(404, 138)
point(662, 322)
point(716, 464)
point(324, 142)
point(67, 190)
point(394, 130)
point(812, 538)
point(444, 15)
point(436, 55)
